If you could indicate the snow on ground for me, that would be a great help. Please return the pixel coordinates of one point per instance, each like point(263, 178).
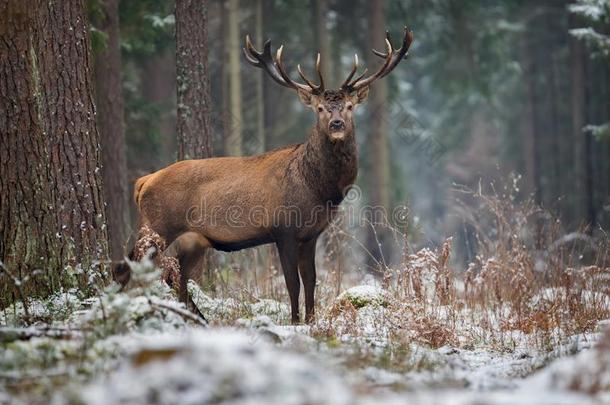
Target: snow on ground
point(211, 366)
point(272, 364)
point(140, 348)
point(364, 295)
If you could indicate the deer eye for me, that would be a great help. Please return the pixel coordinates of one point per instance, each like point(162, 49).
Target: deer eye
point(320, 108)
point(350, 107)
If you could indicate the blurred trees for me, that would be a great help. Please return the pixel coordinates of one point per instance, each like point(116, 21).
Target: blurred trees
point(489, 88)
point(51, 202)
point(233, 133)
point(110, 120)
point(379, 180)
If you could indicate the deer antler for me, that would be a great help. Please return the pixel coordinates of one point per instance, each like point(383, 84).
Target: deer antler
point(392, 58)
point(275, 67)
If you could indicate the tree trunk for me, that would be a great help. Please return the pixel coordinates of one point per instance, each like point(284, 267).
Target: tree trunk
point(269, 90)
point(111, 126)
point(577, 82)
point(260, 77)
point(233, 133)
point(380, 162)
point(159, 78)
point(533, 157)
point(51, 204)
point(590, 215)
point(528, 124)
point(554, 135)
point(193, 126)
point(318, 8)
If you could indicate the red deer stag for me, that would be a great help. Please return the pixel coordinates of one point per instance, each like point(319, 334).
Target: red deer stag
point(286, 196)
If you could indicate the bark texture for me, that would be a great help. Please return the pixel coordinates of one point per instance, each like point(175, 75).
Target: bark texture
point(379, 157)
point(260, 77)
point(194, 130)
point(577, 84)
point(233, 133)
point(110, 120)
point(51, 211)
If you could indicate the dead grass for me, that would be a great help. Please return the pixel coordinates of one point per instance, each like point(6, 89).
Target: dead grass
point(529, 277)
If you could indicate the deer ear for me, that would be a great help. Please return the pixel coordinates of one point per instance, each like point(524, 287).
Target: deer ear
point(305, 97)
point(361, 95)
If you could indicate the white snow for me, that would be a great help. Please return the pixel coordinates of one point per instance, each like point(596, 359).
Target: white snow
point(213, 366)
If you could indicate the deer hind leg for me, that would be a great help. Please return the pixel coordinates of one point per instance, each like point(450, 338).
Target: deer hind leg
point(307, 269)
point(189, 248)
point(287, 249)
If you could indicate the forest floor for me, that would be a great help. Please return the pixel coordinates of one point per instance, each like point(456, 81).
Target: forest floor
point(367, 345)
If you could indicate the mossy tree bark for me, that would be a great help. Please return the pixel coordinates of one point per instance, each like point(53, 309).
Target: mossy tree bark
point(51, 207)
point(194, 130)
point(110, 120)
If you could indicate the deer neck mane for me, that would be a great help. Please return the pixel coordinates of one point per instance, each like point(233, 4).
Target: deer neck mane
point(328, 167)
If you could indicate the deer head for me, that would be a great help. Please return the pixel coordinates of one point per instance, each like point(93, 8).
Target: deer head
point(334, 108)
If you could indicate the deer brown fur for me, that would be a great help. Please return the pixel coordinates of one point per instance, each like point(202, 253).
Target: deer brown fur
point(286, 196)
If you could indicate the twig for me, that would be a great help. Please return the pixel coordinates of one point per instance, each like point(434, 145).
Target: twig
point(182, 312)
point(17, 283)
point(11, 334)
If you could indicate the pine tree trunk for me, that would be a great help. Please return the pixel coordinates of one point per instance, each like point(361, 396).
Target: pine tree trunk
point(528, 124)
point(51, 201)
point(590, 217)
point(321, 41)
point(577, 82)
point(533, 157)
point(260, 77)
point(269, 90)
point(159, 76)
point(380, 162)
point(194, 130)
point(233, 133)
point(110, 120)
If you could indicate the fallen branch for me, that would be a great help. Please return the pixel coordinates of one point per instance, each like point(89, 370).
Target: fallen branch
point(177, 310)
point(11, 334)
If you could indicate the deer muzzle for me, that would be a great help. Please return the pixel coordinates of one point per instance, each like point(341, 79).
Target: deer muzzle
point(336, 125)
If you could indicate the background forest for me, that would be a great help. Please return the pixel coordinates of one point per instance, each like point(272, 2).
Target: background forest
point(491, 89)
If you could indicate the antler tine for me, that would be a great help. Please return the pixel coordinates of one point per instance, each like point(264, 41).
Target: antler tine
point(247, 53)
point(305, 79)
point(264, 61)
point(360, 76)
point(381, 54)
point(400, 54)
point(318, 69)
point(320, 87)
point(282, 71)
point(345, 83)
point(355, 85)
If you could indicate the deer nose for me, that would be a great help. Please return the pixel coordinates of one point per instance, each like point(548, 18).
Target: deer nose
point(336, 124)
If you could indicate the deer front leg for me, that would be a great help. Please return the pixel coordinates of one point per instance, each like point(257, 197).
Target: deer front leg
point(287, 249)
point(307, 268)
